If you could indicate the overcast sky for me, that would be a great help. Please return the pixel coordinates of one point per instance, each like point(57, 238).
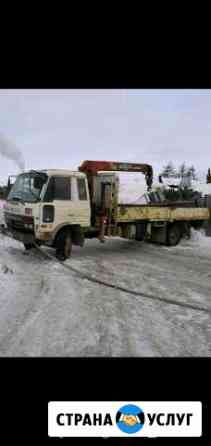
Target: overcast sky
point(61, 128)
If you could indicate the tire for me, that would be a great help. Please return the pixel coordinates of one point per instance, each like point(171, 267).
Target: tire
point(64, 245)
point(173, 235)
point(28, 246)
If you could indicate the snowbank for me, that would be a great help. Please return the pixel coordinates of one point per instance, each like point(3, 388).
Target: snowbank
point(199, 238)
point(202, 187)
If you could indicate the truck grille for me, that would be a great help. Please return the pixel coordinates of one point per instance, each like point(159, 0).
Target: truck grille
point(17, 222)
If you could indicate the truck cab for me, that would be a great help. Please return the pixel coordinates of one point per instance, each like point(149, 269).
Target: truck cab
point(42, 204)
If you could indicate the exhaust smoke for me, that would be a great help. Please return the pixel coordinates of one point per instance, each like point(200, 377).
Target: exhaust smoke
point(9, 150)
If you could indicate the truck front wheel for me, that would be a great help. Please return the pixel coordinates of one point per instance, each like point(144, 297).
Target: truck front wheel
point(28, 246)
point(173, 235)
point(63, 245)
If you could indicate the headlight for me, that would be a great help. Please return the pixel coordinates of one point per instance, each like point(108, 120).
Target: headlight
point(27, 226)
point(28, 222)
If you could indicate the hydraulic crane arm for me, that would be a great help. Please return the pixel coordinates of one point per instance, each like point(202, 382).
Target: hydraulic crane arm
point(92, 167)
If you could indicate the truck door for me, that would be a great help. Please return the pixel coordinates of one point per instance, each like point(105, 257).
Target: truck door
point(62, 195)
point(82, 200)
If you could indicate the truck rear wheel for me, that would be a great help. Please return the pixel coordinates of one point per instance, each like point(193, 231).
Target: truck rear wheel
point(173, 235)
point(64, 245)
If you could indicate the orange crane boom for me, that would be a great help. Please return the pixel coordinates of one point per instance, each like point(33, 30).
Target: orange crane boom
point(92, 167)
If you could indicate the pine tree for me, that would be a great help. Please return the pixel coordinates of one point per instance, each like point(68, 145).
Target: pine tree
point(182, 170)
point(168, 170)
point(192, 172)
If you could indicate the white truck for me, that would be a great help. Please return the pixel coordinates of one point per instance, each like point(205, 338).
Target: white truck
point(63, 207)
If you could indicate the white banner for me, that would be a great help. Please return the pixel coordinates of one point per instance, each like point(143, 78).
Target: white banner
point(125, 419)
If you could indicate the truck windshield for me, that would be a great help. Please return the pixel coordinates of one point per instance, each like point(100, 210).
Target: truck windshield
point(26, 187)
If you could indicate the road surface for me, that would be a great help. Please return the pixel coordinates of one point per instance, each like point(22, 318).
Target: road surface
point(48, 311)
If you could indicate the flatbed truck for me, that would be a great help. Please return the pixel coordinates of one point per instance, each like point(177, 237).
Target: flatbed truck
point(61, 208)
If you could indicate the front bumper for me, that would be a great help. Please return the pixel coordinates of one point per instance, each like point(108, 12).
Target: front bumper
point(16, 227)
point(23, 237)
point(17, 235)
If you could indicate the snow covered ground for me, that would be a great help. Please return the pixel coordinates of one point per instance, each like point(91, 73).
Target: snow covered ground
point(48, 311)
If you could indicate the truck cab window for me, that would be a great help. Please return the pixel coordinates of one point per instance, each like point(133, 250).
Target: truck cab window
point(82, 194)
point(59, 188)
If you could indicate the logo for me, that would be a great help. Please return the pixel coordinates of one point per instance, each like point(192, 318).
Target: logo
point(124, 418)
point(130, 419)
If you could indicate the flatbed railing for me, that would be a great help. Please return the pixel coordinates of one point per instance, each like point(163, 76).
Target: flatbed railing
point(129, 213)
